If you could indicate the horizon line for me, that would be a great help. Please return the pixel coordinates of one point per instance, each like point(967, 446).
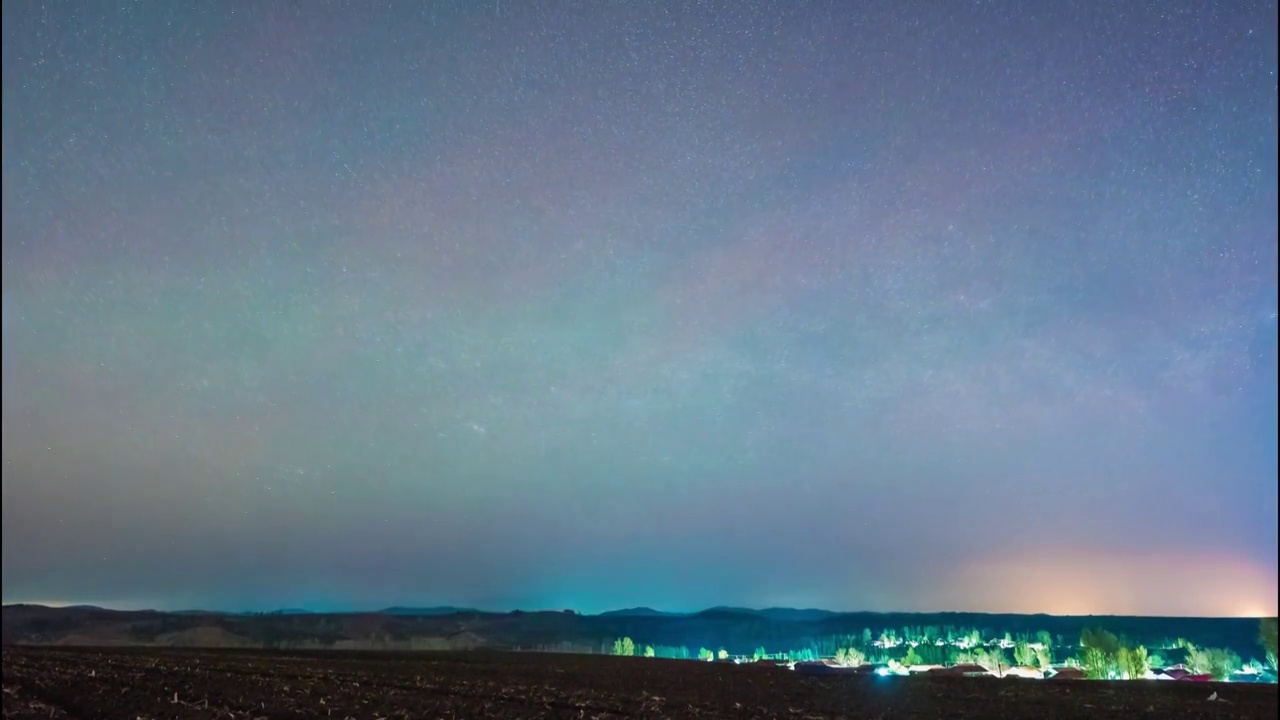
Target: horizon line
point(673, 613)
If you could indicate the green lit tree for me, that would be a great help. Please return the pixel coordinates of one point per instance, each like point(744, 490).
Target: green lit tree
point(997, 657)
point(850, 657)
point(1044, 657)
point(1267, 636)
point(1217, 662)
point(931, 654)
point(806, 654)
point(624, 647)
point(759, 654)
point(992, 659)
point(1133, 662)
point(648, 651)
point(1100, 652)
point(722, 654)
point(1024, 654)
point(1097, 665)
point(911, 658)
point(705, 654)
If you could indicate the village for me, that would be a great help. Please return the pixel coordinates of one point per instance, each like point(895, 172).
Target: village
point(1100, 655)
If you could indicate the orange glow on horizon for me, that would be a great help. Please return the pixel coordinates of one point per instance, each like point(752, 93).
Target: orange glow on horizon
point(1066, 583)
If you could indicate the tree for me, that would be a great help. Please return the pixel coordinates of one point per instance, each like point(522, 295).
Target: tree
point(911, 658)
point(1101, 649)
point(1217, 662)
point(992, 659)
point(624, 646)
point(1097, 665)
point(705, 654)
point(1133, 662)
point(931, 654)
point(1044, 657)
point(866, 638)
point(648, 651)
point(1044, 638)
point(1024, 654)
point(997, 657)
point(1267, 636)
point(1101, 639)
point(850, 657)
point(722, 654)
point(759, 654)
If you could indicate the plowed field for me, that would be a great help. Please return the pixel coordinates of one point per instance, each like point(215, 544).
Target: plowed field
point(190, 685)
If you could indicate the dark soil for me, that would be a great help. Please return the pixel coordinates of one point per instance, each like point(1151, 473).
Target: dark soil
point(236, 685)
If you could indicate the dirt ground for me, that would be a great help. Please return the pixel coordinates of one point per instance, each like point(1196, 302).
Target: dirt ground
point(234, 685)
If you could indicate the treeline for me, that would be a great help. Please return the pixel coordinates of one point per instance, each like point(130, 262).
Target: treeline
point(741, 633)
point(1099, 652)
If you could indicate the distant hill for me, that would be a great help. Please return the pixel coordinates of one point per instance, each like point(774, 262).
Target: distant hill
point(797, 614)
point(776, 614)
point(727, 613)
point(638, 612)
point(426, 611)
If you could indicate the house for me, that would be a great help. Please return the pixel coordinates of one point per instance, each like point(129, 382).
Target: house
point(1067, 673)
point(821, 667)
point(965, 670)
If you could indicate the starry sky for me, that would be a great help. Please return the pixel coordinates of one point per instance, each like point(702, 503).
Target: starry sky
point(885, 305)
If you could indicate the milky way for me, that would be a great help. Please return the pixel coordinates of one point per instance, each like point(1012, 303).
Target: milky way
point(887, 305)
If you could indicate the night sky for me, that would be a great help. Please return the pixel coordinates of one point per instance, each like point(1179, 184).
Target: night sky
point(937, 305)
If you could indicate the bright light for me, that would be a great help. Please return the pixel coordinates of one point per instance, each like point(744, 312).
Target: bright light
point(882, 672)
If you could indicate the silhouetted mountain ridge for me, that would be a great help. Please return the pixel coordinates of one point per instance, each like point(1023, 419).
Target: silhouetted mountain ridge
point(779, 614)
point(637, 612)
point(427, 611)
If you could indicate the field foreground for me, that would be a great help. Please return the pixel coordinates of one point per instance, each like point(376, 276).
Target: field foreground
point(150, 684)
